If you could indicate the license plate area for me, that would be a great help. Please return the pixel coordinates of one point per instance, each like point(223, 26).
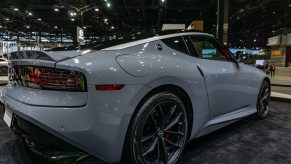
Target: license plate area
point(8, 117)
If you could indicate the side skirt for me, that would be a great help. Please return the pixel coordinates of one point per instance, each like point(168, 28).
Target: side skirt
point(225, 120)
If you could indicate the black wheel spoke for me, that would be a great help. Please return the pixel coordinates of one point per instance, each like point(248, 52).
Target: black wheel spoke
point(158, 152)
point(154, 121)
point(171, 112)
point(173, 122)
point(176, 133)
point(146, 138)
point(172, 143)
point(151, 148)
point(163, 116)
point(267, 94)
point(165, 150)
point(162, 111)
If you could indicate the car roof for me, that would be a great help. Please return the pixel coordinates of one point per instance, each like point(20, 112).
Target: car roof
point(158, 36)
point(125, 41)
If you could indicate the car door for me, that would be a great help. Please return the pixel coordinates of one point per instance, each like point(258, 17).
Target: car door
point(227, 89)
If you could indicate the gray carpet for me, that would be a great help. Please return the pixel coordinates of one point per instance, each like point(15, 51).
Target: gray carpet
point(247, 141)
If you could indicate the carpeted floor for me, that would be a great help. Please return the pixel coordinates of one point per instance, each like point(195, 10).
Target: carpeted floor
point(247, 141)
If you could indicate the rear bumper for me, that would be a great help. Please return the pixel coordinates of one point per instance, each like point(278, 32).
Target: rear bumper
point(98, 128)
point(47, 146)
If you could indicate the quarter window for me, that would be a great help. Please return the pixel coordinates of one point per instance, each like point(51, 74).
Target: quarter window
point(176, 43)
point(204, 48)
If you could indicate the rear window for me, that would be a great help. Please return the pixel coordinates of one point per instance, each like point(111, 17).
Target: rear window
point(176, 43)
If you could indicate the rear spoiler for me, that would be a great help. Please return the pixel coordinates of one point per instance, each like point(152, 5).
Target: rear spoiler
point(37, 55)
point(41, 56)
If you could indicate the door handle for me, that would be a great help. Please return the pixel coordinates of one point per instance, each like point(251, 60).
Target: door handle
point(199, 69)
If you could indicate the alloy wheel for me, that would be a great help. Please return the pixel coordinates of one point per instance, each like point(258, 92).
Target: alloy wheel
point(163, 133)
point(264, 99)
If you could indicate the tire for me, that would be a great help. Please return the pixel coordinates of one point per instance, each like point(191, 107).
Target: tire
point(3, 71)
point(263, 100)
point(158, 131)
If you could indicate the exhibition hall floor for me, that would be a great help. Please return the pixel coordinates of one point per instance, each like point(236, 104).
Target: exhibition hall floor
point(247, 141)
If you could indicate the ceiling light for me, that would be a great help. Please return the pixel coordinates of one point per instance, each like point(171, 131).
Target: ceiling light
point(0, 26)
point(105, 20)
point(7, 19)
point(163, 1)
point(105, 0)
point(72, 19)
point(255, 40)
point(39, 19)
point(30, 14)
point(73, 14)
point(96, 9)
point(57, 10)
point(112, 27)
point(56, 27)
point(16, 9)
point(84, 27)
point(27, 26)
point(108, 4)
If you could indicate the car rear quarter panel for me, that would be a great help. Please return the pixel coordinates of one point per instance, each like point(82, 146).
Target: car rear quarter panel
point(167, 67)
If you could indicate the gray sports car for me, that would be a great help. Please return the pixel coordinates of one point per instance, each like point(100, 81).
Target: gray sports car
point(135, 99)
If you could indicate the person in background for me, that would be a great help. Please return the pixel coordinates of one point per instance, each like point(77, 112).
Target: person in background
point(267, 68)
point(272, 69)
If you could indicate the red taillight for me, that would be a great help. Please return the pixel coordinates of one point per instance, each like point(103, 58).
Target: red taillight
point(109, 87)
point(50, 78)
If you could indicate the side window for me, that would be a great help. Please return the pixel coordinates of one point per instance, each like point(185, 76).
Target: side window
point(204, 48)
point(176, 43)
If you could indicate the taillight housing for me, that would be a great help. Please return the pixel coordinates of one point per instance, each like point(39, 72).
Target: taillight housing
point(49, 78)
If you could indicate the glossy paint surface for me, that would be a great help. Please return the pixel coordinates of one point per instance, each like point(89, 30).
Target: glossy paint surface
point(97, 121)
